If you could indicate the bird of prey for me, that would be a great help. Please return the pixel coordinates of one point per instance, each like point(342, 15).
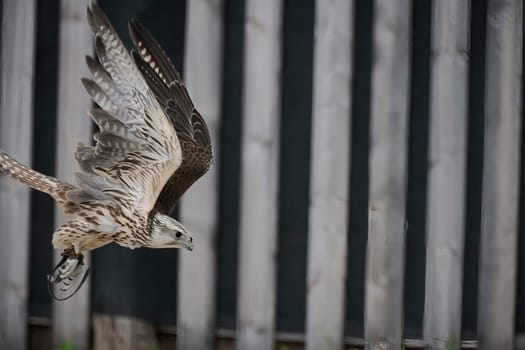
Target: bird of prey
point(152, 145)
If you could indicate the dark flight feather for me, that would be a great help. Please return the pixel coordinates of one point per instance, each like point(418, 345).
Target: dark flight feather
point(166, 84)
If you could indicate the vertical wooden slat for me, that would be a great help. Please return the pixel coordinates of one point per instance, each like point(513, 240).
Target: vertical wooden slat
point(327, 246)
point(16, 113)
point(259, 175)
point(388, 175)
point(71, 317)
point(501, 164)
point(446, 190)
point(197, 272)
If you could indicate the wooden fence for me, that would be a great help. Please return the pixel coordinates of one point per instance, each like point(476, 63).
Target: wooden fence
point(331, 166)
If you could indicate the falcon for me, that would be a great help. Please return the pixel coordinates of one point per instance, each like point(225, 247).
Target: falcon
point(152, 145)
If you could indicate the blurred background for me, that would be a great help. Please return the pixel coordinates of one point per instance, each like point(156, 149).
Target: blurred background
point(136, 294)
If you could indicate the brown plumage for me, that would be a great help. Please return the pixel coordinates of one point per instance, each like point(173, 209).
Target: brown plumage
point(165, 82)
point(152, 146)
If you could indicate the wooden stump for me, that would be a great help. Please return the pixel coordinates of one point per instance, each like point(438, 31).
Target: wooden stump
point(123, 333)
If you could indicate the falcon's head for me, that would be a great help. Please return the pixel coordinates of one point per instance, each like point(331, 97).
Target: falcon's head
point(167, 232)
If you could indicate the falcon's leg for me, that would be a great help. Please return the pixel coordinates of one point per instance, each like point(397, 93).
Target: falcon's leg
point(78, 235)
point(74, 237)
point(74, 252)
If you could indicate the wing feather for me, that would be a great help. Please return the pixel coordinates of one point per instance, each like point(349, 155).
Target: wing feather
point(166, 84)
point(152, 52)
point(137, 149)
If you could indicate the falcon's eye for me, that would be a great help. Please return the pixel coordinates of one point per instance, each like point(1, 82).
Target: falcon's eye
point(178, 234)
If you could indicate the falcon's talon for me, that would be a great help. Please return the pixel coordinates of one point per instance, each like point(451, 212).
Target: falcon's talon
point(80, 258)
point(70, 252)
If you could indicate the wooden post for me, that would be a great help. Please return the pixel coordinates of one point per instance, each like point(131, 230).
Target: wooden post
point(16, 115)
point(259, 175)
point(71, 317)
point(388, 175)
point(327, 242)
point(197, 270)
point(447, 161)
point(123, 333)
point(501, 169)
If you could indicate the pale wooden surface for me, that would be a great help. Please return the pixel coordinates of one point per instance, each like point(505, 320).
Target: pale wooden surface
point(197, 269)
point(501, 169)
point(16, 113)
point(388, 174)
point(123, 333)
point(327, 241)
point(259, 175)
point(446, 186)
point(71, 317)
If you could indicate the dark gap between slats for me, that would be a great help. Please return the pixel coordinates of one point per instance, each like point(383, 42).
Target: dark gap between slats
point(228, 235)
point(415, 253)
point(296, 113)
point(474, 168)
point(358, 208)
point(44, 137)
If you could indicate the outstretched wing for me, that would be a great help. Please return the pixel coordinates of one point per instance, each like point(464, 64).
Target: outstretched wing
point(137, 149)
point(166, 84)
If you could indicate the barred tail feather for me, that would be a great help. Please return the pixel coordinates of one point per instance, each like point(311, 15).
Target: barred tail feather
point(32, 178)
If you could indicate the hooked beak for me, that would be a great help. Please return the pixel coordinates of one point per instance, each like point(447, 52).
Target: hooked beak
point(189, 245)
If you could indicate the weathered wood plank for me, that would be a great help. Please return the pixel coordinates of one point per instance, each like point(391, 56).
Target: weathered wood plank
point(501, 168)
point(197, 280)
point(71, 317)
point(327, 241)
point(16, 114)
point(446, 187)
point(123, 333)
point(259, 175)
point(388, 175)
